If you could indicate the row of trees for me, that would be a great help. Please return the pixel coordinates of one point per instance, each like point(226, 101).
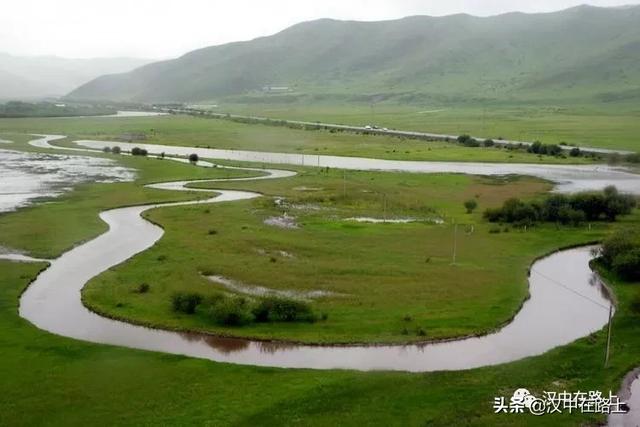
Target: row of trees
point(548, 149)
point(47, 109)
point(137, 151)
point(573, 209)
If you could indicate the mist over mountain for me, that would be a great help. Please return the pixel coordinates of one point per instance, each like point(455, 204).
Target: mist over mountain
point(30, 77)
point(582, 53)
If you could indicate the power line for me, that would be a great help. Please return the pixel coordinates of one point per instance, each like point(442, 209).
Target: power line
point(570, 289)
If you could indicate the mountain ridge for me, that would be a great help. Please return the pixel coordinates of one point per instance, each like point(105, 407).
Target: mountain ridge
point(576, 52)
point(30, 77)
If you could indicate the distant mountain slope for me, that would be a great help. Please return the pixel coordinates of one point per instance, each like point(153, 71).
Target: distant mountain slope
point(42, 76)
point(583, 52)
point(15, 87)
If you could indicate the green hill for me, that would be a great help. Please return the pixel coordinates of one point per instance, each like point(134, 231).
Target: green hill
point(583, 53)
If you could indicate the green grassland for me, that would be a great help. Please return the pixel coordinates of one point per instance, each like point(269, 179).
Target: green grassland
point(58, 381)
point(379, 273)
point(215, 133)
point(615, 126)
point(47, 230)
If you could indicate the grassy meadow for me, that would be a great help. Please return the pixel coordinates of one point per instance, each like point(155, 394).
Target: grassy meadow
point(388, 282)
point(216, 133)
point(615, 126)
point(53, 380)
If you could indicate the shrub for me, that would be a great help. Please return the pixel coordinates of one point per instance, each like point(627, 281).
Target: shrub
point(621, 253)
point(575, 152)
point(193, 158)
point(137, 151)
point(489, 143)
point(185, 302)
point(143, 288)
point(106, 149)
point(278, 309)
point(468, 141)
point(627, 265)
point(470, 205)
point(116, 150)
point(540, 148)
point(230, 311)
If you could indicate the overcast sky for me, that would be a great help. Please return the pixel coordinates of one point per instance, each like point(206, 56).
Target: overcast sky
point(164, 29)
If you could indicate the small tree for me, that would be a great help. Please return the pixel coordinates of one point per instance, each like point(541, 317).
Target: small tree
point(470, 205)
point(116, 150)
point(106, 149)
point(193, 158)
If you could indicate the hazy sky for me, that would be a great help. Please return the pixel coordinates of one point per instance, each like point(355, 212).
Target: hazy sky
point(163, 29)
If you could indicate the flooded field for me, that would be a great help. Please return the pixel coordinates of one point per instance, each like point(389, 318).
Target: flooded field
point(29, 177)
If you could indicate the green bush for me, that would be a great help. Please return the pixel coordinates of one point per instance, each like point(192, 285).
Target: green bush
point(470, 205)
point(137, 151)
point(230, 311)
point(574, 209)
point(278, 309)
point(621, 253)
point(143, 288)
point(185, 302)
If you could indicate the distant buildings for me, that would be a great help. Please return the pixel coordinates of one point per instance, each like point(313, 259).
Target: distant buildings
point(276, 89)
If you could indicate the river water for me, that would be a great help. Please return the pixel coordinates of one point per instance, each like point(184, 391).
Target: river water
point(567, 302)
point(568, 178)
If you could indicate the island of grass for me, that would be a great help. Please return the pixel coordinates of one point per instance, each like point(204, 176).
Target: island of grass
point(376, 250)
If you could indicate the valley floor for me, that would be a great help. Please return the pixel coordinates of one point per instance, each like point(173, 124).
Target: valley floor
point(62, 381)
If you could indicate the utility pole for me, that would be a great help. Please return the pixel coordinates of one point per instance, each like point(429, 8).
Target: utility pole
point(384, 204)
point(344, 183)
point(606, 357)
point(455, 241)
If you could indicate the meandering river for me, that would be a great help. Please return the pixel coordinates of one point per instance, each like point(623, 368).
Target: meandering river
point(567, 302)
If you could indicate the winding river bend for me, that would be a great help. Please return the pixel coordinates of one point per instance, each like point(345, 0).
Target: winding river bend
point(568, 178)
point(567, 302)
